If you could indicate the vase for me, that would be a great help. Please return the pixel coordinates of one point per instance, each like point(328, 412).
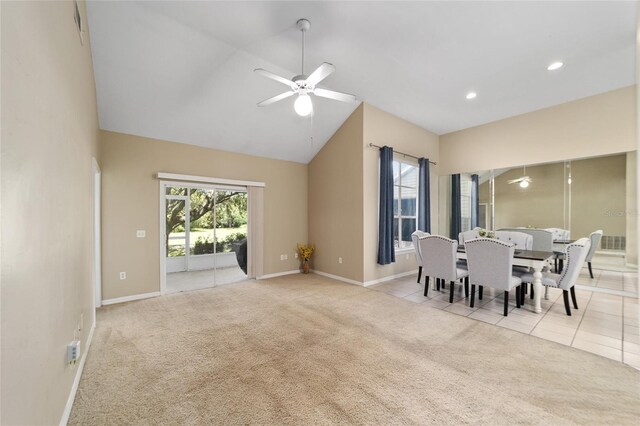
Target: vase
point(305, 267)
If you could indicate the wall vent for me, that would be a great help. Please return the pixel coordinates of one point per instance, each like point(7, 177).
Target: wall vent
point(611, 242)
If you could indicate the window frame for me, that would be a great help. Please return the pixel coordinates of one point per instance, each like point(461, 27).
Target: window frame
point(399, 244)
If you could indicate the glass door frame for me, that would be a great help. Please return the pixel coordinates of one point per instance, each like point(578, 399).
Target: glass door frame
point(164, 184)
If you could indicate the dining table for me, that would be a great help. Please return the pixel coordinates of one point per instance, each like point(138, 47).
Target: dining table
point(534, 259)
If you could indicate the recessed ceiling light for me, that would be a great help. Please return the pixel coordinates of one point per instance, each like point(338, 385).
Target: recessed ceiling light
point(471, 95)
point(555, 66)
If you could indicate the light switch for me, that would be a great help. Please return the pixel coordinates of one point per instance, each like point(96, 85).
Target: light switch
point(141, 233)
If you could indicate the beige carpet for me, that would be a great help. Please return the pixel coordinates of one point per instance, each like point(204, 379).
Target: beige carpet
point(308, 350)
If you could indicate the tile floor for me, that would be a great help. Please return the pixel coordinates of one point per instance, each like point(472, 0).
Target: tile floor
point(604, 324)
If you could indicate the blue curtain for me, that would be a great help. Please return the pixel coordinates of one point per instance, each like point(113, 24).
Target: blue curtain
point(386, 250)
point(475, 201)
point(424, 198)
point(456, 208)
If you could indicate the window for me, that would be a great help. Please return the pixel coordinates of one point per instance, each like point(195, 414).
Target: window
point(465, 202)
point(405, 203)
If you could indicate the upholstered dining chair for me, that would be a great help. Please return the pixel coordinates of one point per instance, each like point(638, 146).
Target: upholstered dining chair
point(594, 238)
point(439, 262)
point(415, 237)
point(491, 264)
point(576, 255)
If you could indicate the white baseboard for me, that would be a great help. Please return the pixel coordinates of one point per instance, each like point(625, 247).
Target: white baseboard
point(366, 283)
point(337, 277)
point(278, 274)
point(389, 278)
point(76, 381)
point(130, 298)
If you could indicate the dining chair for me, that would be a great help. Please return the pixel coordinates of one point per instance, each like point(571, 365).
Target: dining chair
point(576, 255)
point(594, 238)
point(415, 237)
point(439, 262)
point(491, 264)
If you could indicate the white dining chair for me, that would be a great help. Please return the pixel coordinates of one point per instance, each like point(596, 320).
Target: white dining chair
point(415, 237)
point(576, 254)
point(439, 262)
point(491, 264)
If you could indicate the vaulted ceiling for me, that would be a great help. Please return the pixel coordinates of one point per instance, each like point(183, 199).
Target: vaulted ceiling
point(183, 71)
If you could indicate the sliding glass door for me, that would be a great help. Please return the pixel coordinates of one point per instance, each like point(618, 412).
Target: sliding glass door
point(205, 236)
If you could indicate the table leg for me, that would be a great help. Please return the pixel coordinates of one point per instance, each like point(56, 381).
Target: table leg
point(546, 293)
point(537, 290)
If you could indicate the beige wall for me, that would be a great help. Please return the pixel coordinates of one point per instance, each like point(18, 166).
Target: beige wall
point(597, 125)
point(598, 196)
point(336, 201)
point(49, 135)
point(541, 205)
point(382, 128)
point(130, 195)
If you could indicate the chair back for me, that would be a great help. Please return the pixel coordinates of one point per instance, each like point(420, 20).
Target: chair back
point(542, 239)
point(416, 247)
point(595, 238)
point(521, 240)
point(576, 256)
point(468, 235)
point(559, 234)
point(439, 257)
point(490, 262)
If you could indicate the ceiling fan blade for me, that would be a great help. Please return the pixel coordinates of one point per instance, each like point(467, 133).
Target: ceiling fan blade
point(514, 181)
point(338, 96)
point(275, 77)
point(275, 98)
point(322, 72)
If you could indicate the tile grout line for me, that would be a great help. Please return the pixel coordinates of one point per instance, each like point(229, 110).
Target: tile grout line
point(581, 319)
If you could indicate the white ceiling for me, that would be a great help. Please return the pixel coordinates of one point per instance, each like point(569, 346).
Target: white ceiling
point(183, 71)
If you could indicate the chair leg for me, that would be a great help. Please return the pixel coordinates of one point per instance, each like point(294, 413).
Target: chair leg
point(480, 292)
point(473, 294)
point(451, 292)
point(426, 286)
point(560, 265)
point(443, 283)
point(438, 284)
point(590, 271)
point(419, 273)
point(565, 295)
point(531, 291)
point(506, 302)
point(573, 297)
point(523, 290)
point(555, 265)
point(466, 287)
point(518, 291)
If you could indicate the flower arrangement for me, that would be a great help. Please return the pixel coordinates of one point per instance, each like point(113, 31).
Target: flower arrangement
point(486, 234)
point(305, 251)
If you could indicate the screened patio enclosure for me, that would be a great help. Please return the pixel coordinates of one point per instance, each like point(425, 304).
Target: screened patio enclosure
point(205, 236)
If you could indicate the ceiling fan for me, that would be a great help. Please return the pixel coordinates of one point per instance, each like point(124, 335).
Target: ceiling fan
point(524, 180)
point(304, 85)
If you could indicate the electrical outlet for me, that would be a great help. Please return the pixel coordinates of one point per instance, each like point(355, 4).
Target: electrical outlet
point(123, 275)
point(286, 257)
point(282, 257)
point(295, 255)
point(73, 352)
point(339, 260)
point(141, 233)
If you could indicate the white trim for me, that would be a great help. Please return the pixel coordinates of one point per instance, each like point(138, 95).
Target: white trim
point(163, 231)
point(131, 298)
point(339, 278)
point(76, 381)
point(97, 235)
point(389, 278)
point(190, 178)
point(278, 274)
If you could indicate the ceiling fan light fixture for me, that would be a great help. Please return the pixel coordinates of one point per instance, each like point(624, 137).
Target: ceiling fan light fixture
point(471, 95)
point(524, 183)
point(554, 66)
point(303, 105)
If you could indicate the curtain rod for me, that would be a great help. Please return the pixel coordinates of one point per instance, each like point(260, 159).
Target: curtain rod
point(402, 153)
